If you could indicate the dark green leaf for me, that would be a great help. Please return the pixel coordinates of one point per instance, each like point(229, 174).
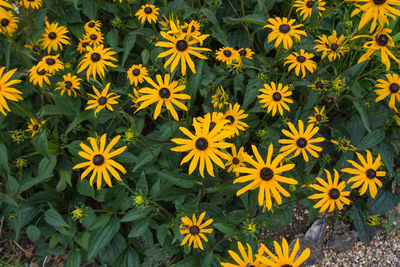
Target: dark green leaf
point(54, 218)
point(128, 258)
point(33, 233)
point(384, 201)
point(372, 139)
point(129, 43)
point(74, 258)
point(135, 214)
point(226, 228)
point(363, 114)
point(4, 157)
point(40, 143)
point(141, 185)
point(259, 19)
point(179, 179)
point(112, 38)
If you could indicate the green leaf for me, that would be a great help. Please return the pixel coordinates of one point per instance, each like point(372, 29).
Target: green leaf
point(82, 116)
point(40, 143)
point(74, 258)
point(141, 185)
point(45, 172)
point(4, 157)
point(226, 228)
point(54, 218)
point(129, 43)
point(100, 221)
point(179, 179)
point(251, 93)
point(195, 81)
point(363, 114)
point(8, 55)
point(112, 38)
point(89, 9)
point(384, 201)
point(207, 260)
point(128, 258)
point(139, 228)
point(371, 139)
point(259, 19)
point(102, 237)
point(134, 215)
point(145, 56)
point(33, 233)
point(85, 189)
point(365, 232)
point(162, 232)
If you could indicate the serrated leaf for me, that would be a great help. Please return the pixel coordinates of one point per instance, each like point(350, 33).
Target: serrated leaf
point(33, 233)
point(128, 258)
point(102, 237)
point(141, 185)
point(179, 179)
point(74, 258)
point(112, 38)
point(135, 214)
point(371, 139)
point(384, 201)
point(54, 218)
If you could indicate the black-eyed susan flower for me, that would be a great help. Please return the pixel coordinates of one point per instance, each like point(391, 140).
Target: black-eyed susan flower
point(194, 26)
point(93, 37)
point(319, 85)
point(164, 93)
point(100, 161)
point(8, 22)
point(381, 41)
point(343, 144)
point(5, 4)
point(234, 115)
point(134, 97)
point(82, 46)
point(235, 160)
point(283, 258)
point(204, 146)
point(245, 259)
point(375, 10)
point(246, 52)
point(34, 126)
point(301, 141)
point(300, 62)
point(102, 100)
point(37, 76)
point(305, 7)
point(136, 74)
point(283, 30)
point(54, 37)
point(96, 60)
point(391, 88)
point(34, 4)
point(319, 116)
point(50, 64)
point(366, 174)
point(194, 230)
point(332, 193)
point(6, 89)
point(34, 46)
point(274, 97)
point(70, 84)
point(214, 119)
point(265, 175)
point(228, 55)
point(179, 51)
point(331, 46)
point(148, 12)
point(17, 135)
point(92, 25)
point(219, 99)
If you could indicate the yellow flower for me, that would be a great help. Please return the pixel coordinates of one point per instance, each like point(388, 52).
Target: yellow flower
point(306, 6)
point(274, 97)
point(319, 116)
point(134, 97)
point(246, 52)
point(149, 12)
point(37, 76)
point(301, 62)
point(102, 100)
point(9, 22)
point(373, 220)
point(283, 31)
point(130, 135)
point(265, 175)
point(204, 146)
point(93, 37)
point(136, 74)
point(331, 46)
point(219, 99)
point(70, 84)
point(92, 25)
point(319, 85)
point(194, 230)
point(332, 193)
point(35, 126)
point(54, 37)
point(234, 115)
point(82, 46)
point(99, 160)
point(21, 163)
point(17, 135)
point(164, 93)
point(391, 88)
point(34, 46)
point(236, 159)
point(78, 213)
point(50, 64)
point(6, 89)
point(228, 55)
point(246, 259)
point(343, 144)
point(34, 4)
point(366, 175)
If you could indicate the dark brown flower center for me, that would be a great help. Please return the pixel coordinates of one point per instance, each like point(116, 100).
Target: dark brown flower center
point(286, 265)
point(41, 72)
point(68, 84)
point(382, 39)
point(379, 2)
point(284, 28)
point(136, 72)
point(194, 230)
point(248, 265)
point(92, 24)
point(230, 118)
point(4, 22)
point(181, 45)
point(310, 4)
point(227, 53)
point(212, 125)
point(266, 174)
point(334, 46)
point(35, 127)
point(201, 143)
point(334, 193)
point(84, 44)
point(148, 10)
point(93, 36)
point(301, 142)
point(50, 61)
point(318, 117)
point(371, 174)
point(35, 48)
point(243, 52)
point(301, 59)
point(186, 29)
point(235, 161)
point(394, 87)
point(277, 96)
point(52, 35)
point(164, 93)
point(95, 57)
point(98, 160)
point(102, 100)
point(319, 85)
